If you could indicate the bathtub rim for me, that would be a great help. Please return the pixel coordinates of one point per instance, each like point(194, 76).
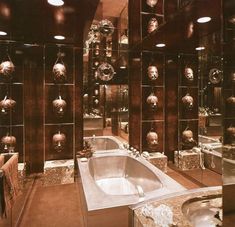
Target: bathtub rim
point(96, 199)
point(119, 142)
point(213, 152)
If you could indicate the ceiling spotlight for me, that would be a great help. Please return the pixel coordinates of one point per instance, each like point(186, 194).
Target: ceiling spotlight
point(160, 45)
point(59, 37)
point(202, 20)
point(200, 48)
point(56, 2)
point(3, 33)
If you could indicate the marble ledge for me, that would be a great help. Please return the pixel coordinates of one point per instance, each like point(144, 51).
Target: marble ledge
point(187, 159)
point(175, 203)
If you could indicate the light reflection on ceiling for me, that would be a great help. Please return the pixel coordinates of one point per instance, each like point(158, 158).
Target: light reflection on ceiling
point(113, 8)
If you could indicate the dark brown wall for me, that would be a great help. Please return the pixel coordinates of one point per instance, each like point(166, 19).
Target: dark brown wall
point(33, 109)
point(171, 105)
point(135, 100)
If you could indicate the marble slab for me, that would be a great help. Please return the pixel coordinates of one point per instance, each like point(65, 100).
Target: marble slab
point(175, 203)
point(58, 172)
point(187, 160)
point(159, 160)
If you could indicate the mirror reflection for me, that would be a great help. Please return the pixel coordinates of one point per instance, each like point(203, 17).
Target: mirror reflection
point(105, 73)
point(210, 109)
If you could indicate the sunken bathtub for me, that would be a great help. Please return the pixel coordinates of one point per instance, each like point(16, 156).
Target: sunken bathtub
point(111, 182)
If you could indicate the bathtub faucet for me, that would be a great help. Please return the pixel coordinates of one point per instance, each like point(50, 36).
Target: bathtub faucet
point(135, 153)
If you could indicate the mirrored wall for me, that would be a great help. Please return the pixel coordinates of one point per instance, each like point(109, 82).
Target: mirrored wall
point(105, 72)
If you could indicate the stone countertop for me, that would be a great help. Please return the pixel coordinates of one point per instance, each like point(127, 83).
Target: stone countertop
point(175, 202)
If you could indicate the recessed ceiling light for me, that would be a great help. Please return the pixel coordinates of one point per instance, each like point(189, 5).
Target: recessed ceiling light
point(3, 33)
point(59, 37)
point(160, 45)
point(200, 48)
point(202, 20)
point(56, 2)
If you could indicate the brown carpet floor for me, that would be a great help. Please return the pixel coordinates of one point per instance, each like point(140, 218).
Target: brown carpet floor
point(51, 206)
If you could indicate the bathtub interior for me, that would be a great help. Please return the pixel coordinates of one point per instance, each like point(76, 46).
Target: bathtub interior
point(122, 175)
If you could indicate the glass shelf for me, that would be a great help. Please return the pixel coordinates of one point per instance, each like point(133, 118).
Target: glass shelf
point(190, 119)
point(19, 125)
point(150, 13)
point(53, 84)
point(144, 85)
point(16, 83)
point(59, 124)
point(153, 120)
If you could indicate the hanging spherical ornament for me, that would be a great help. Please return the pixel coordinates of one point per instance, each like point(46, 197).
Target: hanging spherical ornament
point(7, 105)
point(152, 25)
point(152, 101)
point(59, 141)
point(232, 76)
point(152, 72)
point(188, 141)
point(231, 101)
point(151, 3)
point(187, 101)
point(59, 106)
point(8, 143)
point(188, 73)
point(96, 101)
point(6, 70)
point(231, 134)
point(152, 140)
point(59, 71)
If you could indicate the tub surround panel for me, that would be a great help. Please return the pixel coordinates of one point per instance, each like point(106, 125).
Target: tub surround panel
point(187, 160)
point(213, 160)
point(58, 172)
point(159, 160)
